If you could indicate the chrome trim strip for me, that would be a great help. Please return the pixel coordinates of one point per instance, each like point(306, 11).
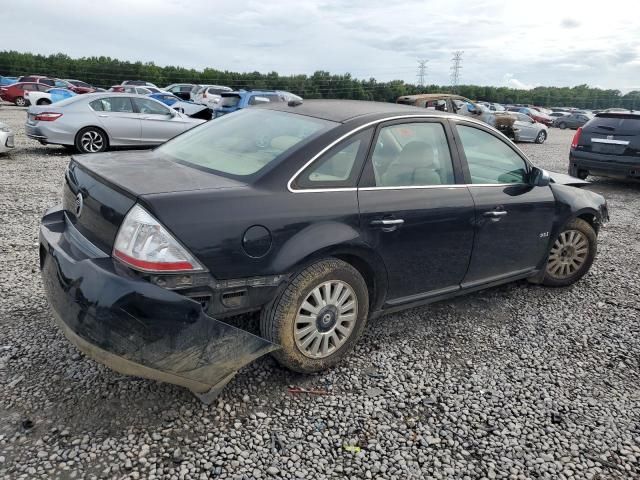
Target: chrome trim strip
point(611, 142)
point(348, 134)
point(411, 187)
point(80, 241)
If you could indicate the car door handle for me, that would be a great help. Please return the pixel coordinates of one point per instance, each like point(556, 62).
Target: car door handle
point(103, 116)
point(391, 222)
point(494, 214)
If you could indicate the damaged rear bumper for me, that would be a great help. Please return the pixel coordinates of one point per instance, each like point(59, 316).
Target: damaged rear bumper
point(133, 326)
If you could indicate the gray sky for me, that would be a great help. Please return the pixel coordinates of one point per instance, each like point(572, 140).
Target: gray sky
point(507, 43)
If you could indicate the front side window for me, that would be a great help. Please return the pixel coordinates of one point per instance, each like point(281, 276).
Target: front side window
point(490, 160)
point(150, 107)
point(339, 167)
point(244, 143)
point(412, 154)
point(113, 104)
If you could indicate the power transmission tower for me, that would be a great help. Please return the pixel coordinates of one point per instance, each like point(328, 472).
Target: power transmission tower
point(422, 71)
point(456, 66)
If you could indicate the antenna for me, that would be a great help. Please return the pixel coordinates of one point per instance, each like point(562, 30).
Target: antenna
point(422, 71)
point(456, 66)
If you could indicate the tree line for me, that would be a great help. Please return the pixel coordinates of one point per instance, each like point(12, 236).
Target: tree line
point(106, 71)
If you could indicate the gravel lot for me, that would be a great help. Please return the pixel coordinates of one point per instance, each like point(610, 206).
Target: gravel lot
point(515, 382)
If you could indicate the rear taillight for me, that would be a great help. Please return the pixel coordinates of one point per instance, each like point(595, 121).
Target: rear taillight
point(47, 116)
point(145, 245)
point(576, 138)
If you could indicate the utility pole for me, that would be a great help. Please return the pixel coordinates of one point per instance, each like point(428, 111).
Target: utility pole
point(456, 66)
point(422, 71)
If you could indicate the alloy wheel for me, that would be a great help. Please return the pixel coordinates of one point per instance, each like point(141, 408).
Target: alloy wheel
point(21, 102)
point(568, 254)
point(326, 319)
point(92, 141)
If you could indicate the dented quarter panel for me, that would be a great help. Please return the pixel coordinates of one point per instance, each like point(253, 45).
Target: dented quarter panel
point(137, 321)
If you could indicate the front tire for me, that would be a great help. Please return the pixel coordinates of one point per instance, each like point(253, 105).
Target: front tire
point(318, 317)
point(91, 140)
point(571, 254)
point(20, 102)
point(542, 136)
point(562, 125)
point(44, 101)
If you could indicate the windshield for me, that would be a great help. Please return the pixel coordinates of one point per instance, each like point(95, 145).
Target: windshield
point(243, 143)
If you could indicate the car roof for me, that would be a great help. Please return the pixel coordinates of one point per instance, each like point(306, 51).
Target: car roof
point(344, 110)
point(432, 96)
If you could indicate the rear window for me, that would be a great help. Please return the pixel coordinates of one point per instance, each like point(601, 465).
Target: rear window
point(629, 124)
point(244, 143)
point(230, 100)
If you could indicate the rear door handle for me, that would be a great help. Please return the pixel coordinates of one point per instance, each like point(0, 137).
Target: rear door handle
point(387, 222)
point(103, 116)
point(494, 214)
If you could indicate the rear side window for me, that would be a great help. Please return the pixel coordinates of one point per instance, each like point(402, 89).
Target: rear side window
point(113, 104)
point(339, 167)
point(412, 154)
point(490, 160)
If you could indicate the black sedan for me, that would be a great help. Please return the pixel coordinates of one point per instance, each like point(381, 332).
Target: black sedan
point(319, 216)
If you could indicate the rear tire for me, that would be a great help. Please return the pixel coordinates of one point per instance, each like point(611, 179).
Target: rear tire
point(318, 317)
point(91, 140)
point(571, 254)
point(20, 102)
point(542, 136)
point(583, 174)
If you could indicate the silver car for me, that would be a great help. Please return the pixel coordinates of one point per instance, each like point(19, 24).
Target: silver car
point(6, 138)
point(526, 129)
point(94, 122)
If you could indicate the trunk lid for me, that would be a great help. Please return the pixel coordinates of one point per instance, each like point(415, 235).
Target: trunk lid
point(111, 183)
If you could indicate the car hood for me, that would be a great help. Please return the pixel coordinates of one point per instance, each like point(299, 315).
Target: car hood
point(147, 172)
point(564, 179)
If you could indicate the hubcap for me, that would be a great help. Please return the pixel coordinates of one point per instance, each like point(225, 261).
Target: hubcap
point(325, 319)
point(21, 102)
point(568, 254)
point(91, 141)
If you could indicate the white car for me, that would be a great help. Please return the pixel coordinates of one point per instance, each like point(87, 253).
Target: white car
point(210, 95)
point(6, 138)
point(47, 98)
point(526, 129)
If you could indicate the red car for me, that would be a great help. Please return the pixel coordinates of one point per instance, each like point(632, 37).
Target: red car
point(15, 93)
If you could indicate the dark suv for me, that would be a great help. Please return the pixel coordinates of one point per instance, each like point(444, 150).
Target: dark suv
point(607, 145)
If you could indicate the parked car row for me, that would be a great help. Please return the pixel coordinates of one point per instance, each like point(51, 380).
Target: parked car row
point(518, 126)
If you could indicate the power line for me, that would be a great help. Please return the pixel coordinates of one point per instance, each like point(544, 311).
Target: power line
point(422, 71)
point(456, 66)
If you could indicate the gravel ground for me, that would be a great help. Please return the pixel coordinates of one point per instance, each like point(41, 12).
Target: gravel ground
point(515, 382)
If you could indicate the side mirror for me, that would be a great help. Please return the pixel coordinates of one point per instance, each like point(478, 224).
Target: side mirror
point(539, 177)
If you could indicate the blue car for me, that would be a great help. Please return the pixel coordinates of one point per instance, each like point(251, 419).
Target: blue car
point(166, 98)
point(7, 80)
point(232, 101)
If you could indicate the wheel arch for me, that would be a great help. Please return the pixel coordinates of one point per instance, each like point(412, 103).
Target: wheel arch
point(364, 259)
